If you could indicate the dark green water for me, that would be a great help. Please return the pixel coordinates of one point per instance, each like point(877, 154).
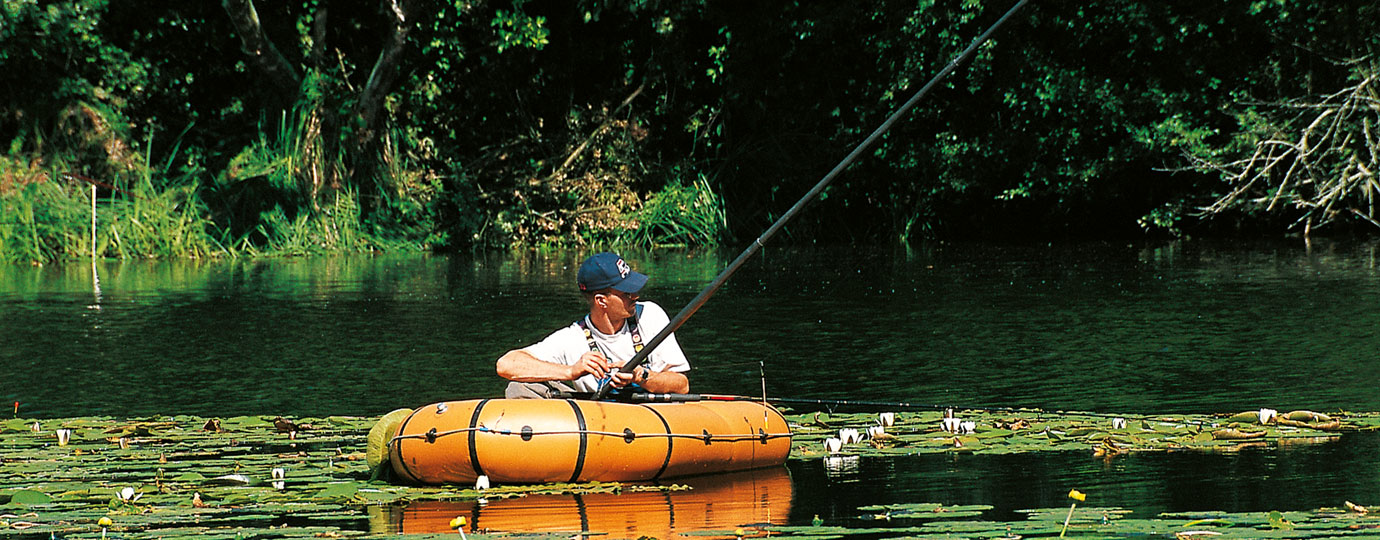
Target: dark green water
point(1109, 328)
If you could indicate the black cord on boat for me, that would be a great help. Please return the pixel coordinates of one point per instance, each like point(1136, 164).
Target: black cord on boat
point(433, 436)
point(709, 290)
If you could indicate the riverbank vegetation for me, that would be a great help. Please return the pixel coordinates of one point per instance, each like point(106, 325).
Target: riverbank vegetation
point(223, 128)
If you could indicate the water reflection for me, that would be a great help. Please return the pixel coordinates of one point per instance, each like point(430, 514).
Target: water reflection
point(1185, 327)
point(721, 502)
point(1177, 328)
point(1295, 475)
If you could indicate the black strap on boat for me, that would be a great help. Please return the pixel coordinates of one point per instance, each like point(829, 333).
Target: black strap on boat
point(758, 244)
point(584, 441)
point(670, 442)
point(473, 442)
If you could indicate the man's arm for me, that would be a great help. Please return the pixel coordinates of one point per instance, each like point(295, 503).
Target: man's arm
point(656, 382)
point(665, 382)
point(520, 366)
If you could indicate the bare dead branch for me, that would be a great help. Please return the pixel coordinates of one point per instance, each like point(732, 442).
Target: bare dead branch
point(1321, 169)
point(602, 127)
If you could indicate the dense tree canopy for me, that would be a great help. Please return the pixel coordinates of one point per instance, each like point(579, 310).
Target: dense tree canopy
point(470, 123)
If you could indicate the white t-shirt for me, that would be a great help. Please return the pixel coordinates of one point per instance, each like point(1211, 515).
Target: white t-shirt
point(565, 346)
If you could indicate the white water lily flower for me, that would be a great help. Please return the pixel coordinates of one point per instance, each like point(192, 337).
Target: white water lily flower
point(1118, 423)
point(874, 431)
point(967, 427)
point(482, 483)
point(850, 436)
point(951, 424)
point(833, 445)
point(886, 419)
point(1266, 415)
point(128, 495)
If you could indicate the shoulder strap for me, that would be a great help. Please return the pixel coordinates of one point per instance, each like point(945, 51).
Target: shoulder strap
point(636, 334)
point(632, 327)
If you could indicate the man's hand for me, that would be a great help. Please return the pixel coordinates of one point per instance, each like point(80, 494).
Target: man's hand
point(621, 379)
point(590, 363)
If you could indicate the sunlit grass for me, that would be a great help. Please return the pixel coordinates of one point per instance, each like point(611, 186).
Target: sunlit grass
point(682, 214)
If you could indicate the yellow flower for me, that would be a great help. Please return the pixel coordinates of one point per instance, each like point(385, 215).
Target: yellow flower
point(105, 522)
point(1077, 495)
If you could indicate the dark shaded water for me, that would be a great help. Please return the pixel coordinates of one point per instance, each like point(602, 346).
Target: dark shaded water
point(1110, 328)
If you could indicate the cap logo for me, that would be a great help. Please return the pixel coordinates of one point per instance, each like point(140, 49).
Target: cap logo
point(623, 269)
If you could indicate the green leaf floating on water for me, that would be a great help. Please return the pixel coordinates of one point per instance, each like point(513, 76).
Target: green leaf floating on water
point(1277, 521)
point(1210, 522)
point(929, 511)
point(344, 490)
point(1102, 435)
point(29, 497)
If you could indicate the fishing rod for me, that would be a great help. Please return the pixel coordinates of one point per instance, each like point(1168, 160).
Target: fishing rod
point(759, 243)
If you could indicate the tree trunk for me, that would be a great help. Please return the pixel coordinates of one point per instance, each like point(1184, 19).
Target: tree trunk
point(265, 56)
point(382, 76)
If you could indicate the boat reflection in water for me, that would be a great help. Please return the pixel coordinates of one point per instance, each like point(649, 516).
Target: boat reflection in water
point(720, 502)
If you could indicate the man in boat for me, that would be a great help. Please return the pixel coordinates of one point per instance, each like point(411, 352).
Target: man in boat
point(577, 358)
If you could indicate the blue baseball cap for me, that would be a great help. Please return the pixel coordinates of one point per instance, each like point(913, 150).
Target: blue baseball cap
point(608, 271)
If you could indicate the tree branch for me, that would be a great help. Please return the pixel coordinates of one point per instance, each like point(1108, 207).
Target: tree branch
point(384, 72)
point(1315, 158)
point(262, 53)
point(602, 127)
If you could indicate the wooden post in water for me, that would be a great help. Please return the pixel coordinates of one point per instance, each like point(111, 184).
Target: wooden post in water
point(95, 278)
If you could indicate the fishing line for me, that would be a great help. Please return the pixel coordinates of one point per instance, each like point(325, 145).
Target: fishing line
point(756, 245)
point(833, 404)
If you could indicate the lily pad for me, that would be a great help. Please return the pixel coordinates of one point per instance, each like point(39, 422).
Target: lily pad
point(28, 497)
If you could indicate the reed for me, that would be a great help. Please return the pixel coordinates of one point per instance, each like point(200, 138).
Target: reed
point(682, 214)
point(47, 201)
point(42, 221)
point(334, 228)
point(288, 194)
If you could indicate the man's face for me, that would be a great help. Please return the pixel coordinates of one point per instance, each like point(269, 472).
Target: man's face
point(618, 304)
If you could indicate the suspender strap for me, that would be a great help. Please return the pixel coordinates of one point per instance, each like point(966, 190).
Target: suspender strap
point(632, 327)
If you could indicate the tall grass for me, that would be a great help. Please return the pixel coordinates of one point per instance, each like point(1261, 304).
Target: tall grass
point(287, 194)
point(49, 220)
point(682, 214)
point(46, 206)
point(333, 228)
point(41, 220)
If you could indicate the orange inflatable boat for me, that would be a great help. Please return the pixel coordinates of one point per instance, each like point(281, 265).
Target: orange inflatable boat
point(558, 440)
point(715, 502)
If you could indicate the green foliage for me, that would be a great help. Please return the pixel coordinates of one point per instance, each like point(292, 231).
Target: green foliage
point(679, 215)
point(42, 221)
point(55, 53)
point(48, 219)
point(145, 222)
point(517, 30)
point(334, 228)
point(530, 123)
